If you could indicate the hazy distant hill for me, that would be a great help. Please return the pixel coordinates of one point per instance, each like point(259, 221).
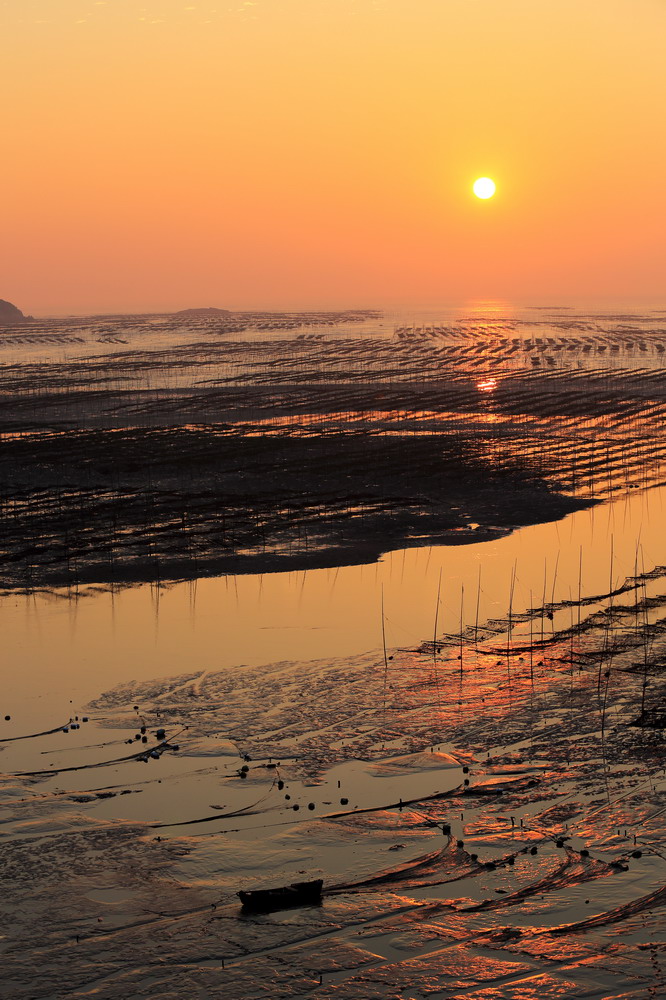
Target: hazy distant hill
point(9, 314)
point(203, 312)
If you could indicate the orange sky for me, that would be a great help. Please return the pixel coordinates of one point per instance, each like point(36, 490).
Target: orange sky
point(158, 154)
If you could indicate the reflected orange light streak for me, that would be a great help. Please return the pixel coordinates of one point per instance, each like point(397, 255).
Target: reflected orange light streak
point(487, 385)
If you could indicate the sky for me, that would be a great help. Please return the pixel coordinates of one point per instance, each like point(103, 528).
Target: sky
point(292, 154)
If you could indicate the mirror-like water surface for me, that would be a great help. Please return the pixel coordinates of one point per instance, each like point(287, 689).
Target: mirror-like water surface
point(65, 651)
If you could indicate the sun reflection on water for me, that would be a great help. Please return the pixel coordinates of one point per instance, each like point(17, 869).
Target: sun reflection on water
point(487, 385)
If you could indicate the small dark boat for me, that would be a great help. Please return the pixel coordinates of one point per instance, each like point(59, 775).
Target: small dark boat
point(296, 894)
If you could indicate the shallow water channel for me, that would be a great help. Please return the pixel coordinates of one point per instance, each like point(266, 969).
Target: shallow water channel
point(63, 650)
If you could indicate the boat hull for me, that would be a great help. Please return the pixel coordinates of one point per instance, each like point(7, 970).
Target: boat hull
point(283, 897)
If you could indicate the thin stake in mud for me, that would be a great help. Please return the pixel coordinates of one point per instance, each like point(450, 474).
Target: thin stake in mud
point(434, 632)
point(531, 648)
point(571, 641)
point(462, 605)
point(510, 629)
point(385, 664)
point(609, 621)
point(476, 620)
point(543, 600)
point(552, 593)
point(434, 642)
point(580, 582)
point(637, 589)
point(646, 641)
point(607, 675)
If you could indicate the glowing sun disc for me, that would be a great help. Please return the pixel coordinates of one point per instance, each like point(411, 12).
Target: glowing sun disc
point(484, 187)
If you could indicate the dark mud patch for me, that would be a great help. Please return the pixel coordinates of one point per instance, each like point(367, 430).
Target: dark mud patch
point(116, 507)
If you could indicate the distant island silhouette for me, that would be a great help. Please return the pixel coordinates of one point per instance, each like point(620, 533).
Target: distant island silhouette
point(203, 312)
point(10, 314)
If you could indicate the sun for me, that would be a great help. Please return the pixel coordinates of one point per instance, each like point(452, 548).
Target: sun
point(484, 187)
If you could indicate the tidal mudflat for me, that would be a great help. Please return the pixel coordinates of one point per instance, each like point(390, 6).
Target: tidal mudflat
point(153, 449)
point(464, 741)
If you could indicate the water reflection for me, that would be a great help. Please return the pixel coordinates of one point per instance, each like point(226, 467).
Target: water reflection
point(487, 385)
point(70, 650)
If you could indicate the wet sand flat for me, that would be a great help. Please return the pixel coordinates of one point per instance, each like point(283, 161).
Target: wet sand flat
point(468, 750)
point(478, 821)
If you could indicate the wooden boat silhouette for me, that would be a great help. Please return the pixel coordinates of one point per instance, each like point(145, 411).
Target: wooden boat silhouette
point(282, 897)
